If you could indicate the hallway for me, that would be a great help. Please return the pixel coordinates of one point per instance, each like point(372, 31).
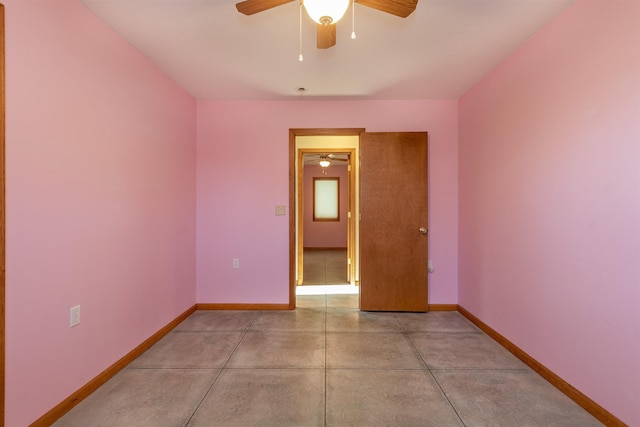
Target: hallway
point(325, 273)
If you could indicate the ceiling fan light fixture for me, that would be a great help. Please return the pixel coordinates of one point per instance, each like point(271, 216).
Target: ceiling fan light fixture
point(326, 12)
point(325, 163)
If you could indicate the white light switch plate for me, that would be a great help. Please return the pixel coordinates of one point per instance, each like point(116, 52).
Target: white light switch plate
point(74, 316)
point(281, 210)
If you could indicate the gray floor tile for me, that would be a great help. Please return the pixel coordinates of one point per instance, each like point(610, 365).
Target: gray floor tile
point(435, 321)
point(215, 320)
point(264, 397)
point(510, 398)
point(343, 301)
point(302, 319)
point(311, 301)
point(371, 351)
point(340, 320)
point(386, 398)
point(463, 351)
point(280, 350)
point(142, 398)
point(190, 350)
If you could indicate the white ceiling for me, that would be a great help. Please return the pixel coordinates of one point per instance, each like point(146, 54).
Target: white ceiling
point(216, 53)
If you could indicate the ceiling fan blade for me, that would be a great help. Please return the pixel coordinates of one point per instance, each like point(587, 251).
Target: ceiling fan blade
point(249, 7)
point(326, 36)
point(401, 8)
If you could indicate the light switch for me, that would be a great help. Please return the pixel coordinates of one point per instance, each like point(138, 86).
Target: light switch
point(74, 316)
point(281, 210)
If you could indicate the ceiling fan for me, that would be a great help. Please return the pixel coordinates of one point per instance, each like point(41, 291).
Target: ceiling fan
point(327, 18)
point(325, 160)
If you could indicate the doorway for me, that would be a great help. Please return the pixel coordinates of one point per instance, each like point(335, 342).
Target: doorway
point(322, 254)
point(325, 222)
point(388, 227)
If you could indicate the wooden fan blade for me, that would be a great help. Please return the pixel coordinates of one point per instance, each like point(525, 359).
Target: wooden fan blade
point(326, 36)
point(249, 7)
point(401, 8)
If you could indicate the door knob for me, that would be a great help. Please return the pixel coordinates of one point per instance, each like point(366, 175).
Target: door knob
point(423, 230)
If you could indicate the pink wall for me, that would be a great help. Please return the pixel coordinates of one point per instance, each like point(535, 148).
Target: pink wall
point(550, 201)
point(100, 201)
point(243, 173)
point(101, 190)
point(325, 234)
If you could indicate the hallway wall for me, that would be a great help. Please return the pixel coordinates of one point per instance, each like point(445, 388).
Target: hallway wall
point(325, 234)
point(550, 201)
point(100, 201)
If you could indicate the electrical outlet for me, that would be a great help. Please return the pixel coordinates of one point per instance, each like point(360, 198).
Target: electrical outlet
point(74, 316)
point(236, 263)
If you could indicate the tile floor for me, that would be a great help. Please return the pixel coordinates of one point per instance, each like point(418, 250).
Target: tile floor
point(326, 364)
point(325, 267)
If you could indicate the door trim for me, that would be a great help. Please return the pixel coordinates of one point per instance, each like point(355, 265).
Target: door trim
point(293, 133)
point(300, 209)
point(2, 215)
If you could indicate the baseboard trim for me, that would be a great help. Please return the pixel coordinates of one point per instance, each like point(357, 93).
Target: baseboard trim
point(443, 307)
point(234, 306)
point(604, 416)
point(79, 395)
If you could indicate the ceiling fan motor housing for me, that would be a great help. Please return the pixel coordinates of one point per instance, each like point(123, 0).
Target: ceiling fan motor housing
point(326, 20)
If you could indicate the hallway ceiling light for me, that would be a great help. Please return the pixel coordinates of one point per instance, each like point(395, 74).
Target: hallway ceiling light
point(325, 163)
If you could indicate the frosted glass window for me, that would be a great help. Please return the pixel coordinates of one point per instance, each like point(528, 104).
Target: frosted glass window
point(326, 199)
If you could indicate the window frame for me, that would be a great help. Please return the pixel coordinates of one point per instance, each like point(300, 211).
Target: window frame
point(335, 179)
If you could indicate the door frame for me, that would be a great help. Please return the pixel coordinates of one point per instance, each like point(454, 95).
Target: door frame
point(2, 215)
point(295, 209)
point(300, 210)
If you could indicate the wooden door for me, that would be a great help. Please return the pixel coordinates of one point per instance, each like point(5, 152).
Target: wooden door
point(393, 221)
